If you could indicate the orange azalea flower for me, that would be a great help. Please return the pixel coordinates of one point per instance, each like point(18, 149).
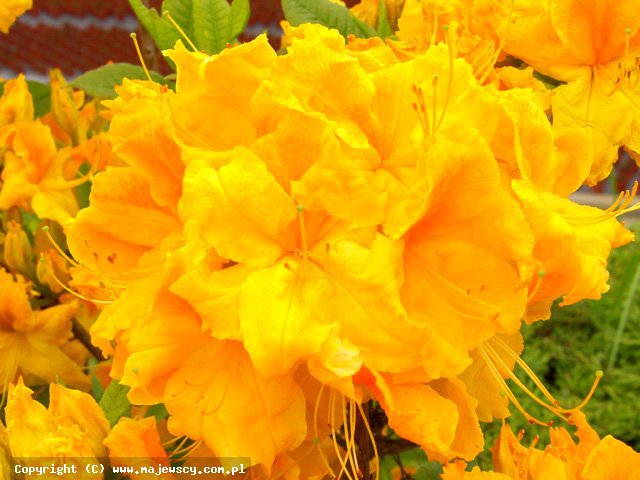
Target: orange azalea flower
point(31, 341)
point(136, 443)
point(16, 104)
point(72, 427)
point(10, 10)
point(594, 47)
point(132, 219)
point(34, 176)
point(591, 458)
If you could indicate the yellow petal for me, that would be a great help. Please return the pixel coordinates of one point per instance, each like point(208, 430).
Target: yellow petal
point(229, 405)
point(243, 212)
point(282, 315)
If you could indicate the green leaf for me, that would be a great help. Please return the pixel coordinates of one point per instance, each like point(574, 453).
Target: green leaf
point(114, 402)
point(163, 33)
point(384, 27)
point(159, 411)
point(211, 24)
point(327, 13)
point(101, 81)
point(41, 94)
point(83, 191)
point(238, 18)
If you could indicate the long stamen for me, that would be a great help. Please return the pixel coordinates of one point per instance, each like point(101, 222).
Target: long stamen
point(614, 211)
point(434, 103)
point(58, 249)
point(134, 37)
point(434, 36)
point(627, 38)
point(303, 233)
point(531, 374)
point(530, 418)
point(495, 357)
point(350, 439)
point(334, 433)
point(180, 31)
point(539, 279)
point(447, 95)
point(503, 40)
point(352, 421)
point(316, 439)
point(76, 294)
point(421, 110)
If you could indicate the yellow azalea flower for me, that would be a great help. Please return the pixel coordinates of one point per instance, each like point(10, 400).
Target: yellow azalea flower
point(10, 10)
point(479, 297)
point(232, 407)
point(462, 23)
point(572, 243)
point(34, 173)
point(600, 69)
point(72, 427)
point(67, 109)
point(226, 82)
point(16, 104)
point(591, 458)
point(32, 341)
point(136, 443)
point(367, 11)
point(132, 217)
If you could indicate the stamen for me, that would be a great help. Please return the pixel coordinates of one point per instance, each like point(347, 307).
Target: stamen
point(530, 418)
point(315, 432)
point(627, 38)
point(55, 245)
point(303, 233)
point(180, 31)
point(434, 103)
point(613, 211)
point(555, 408)
point(539, 278)
point(449, 80)
point(332, 425)
point(134, 37)
point(421, 110)
point(349, 440)
point(434, 36)
point(74, 293)
point(503, 40)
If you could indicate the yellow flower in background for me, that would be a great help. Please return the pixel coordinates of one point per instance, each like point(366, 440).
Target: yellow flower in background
point(16, 104)
point(31, 342)
point(73, 427)
point(10, 10)
point(593, 47)
point(368, 11)
point(591, 458)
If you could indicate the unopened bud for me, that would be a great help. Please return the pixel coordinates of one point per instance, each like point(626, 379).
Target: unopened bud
point(18, 253)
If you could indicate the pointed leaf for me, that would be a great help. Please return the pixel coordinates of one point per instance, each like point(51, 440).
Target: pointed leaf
point(101, 81)
point(327, 13)
point(211, 24)
point(384, 27)
point(114, 402)
point(163, 33)
point(238, 18)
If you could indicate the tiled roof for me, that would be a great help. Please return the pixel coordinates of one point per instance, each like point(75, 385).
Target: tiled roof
point(78, 35)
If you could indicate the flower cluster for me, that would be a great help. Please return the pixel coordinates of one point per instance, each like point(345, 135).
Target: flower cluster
point(285, 242)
